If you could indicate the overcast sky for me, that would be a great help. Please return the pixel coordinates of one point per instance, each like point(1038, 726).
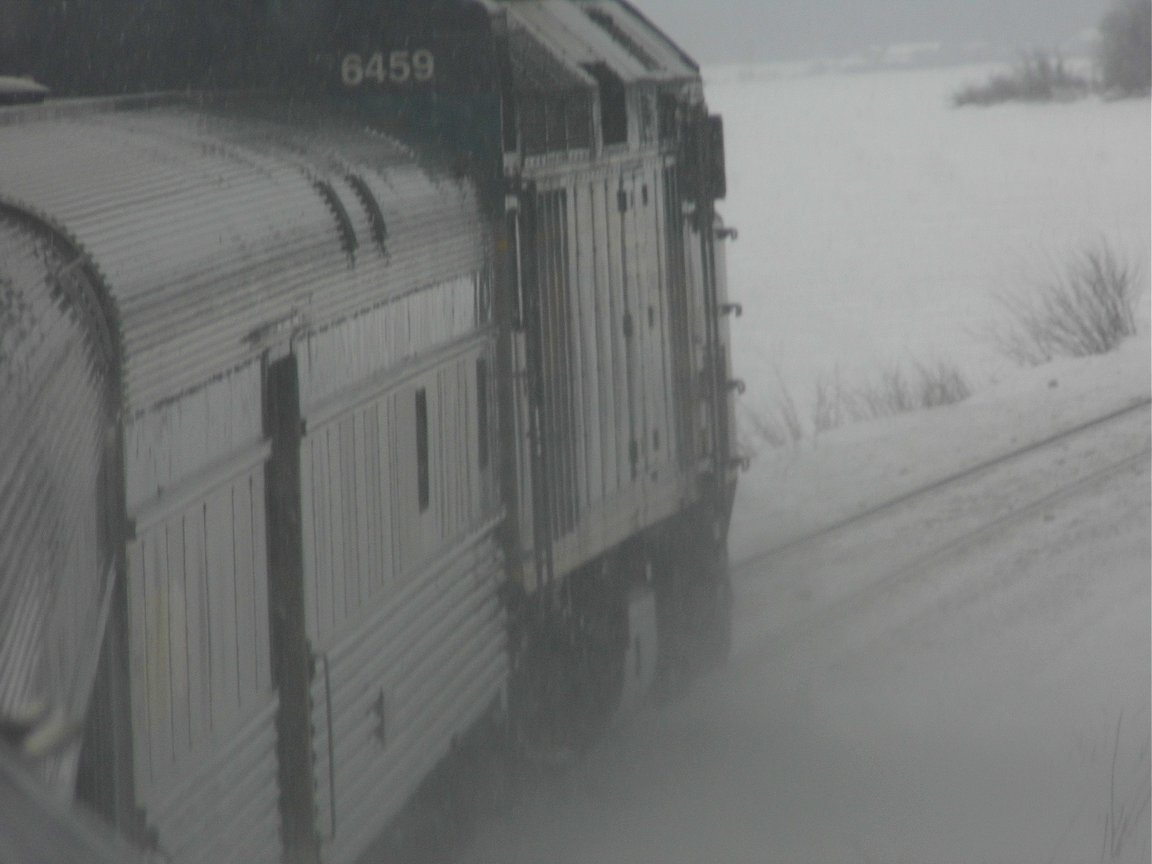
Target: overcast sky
point(717, 31)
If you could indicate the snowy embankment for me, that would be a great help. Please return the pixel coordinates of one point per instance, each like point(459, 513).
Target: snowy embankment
point(945, 682)
point(792, 492)
point(949, 681)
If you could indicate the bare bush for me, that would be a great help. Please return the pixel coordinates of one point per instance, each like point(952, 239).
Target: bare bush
point(1088, 309)
point(1039, 77)
point(829, 410)
point(836, 403)
point(1126, 818)
point(778, 423)
point(762, 428)
point(895, 391)
point(890, 394)
point(941, 384)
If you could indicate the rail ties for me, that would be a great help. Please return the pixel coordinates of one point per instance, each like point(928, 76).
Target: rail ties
point(969, 473)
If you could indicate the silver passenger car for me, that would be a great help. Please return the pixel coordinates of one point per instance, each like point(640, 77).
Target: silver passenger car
point(203, 306)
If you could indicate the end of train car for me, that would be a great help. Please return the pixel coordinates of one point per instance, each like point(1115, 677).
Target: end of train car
point(617, 363)
point(373, 385)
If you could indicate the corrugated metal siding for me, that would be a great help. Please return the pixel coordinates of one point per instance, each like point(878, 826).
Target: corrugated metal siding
point(200, 668)
point(393, 333)
point(364, 533)
point(558, 422)
point(55, 563)
point(173, 443)
point(391, 694)
point(212, 234)
point(655, 432)
point(608, 292)
point(226, 807)
point(684, 392)
point(400, 601)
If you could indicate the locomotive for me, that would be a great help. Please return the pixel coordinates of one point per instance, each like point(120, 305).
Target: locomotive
point(345, 412)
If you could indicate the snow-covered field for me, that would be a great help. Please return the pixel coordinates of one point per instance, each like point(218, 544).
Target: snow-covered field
point(878, 223)
point(907, 691)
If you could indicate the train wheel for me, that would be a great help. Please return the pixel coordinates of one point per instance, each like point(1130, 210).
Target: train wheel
point(693, 602)
point(570, 672)
point(713, 612)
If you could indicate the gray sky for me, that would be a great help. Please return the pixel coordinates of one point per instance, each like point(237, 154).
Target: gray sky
point(741, 30)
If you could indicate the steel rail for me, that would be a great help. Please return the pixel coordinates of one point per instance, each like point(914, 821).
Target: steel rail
point(968, 473)
point(787, 635)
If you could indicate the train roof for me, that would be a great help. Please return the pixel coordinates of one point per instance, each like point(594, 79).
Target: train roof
point(217, 229)
point(574, 35)
point(15, 90)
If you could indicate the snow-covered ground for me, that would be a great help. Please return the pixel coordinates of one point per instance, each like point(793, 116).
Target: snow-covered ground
point(904, 693)
point(791, 492)
point(908, 691)
point(878, 223)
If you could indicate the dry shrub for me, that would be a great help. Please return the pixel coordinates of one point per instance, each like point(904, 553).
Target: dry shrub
point(895, 391)
point(1089, 308)
point(776, 424)
point(1126, 835)
point(942, 384)
point(830, 407)
point(1038, 77)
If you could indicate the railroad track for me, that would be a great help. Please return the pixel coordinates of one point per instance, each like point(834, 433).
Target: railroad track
point(972, 472)
point(790, 635)
point(855, 596)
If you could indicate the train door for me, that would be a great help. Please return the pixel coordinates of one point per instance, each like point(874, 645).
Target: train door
point(683, 390)
point(653, 343)
point(615, 321)
point(292, 661)
point(631, 292)
point(549, 390)
point(387, 629)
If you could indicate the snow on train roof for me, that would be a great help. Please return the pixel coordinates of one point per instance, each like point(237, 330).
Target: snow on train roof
point(589, 32)
point(215, 231)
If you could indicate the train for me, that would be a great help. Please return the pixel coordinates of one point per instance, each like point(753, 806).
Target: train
point(342, 413)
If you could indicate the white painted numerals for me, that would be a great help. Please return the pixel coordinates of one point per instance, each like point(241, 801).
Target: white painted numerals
point(399, 67)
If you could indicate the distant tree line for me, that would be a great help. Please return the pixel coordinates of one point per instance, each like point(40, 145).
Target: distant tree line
point(1038, 77)
point(1123, 62)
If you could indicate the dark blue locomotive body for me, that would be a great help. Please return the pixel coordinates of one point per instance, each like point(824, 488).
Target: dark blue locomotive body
point(333, 424)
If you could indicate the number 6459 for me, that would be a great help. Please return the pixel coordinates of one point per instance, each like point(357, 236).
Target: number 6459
point(402, 66)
